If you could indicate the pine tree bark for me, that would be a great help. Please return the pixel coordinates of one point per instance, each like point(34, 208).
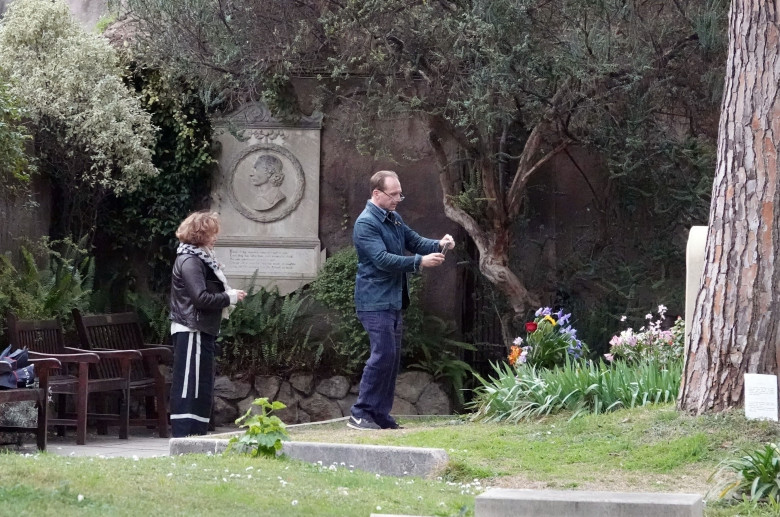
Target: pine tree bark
point(735, 325)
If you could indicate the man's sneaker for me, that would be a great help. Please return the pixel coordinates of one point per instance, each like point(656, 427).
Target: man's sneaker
point(362, 424)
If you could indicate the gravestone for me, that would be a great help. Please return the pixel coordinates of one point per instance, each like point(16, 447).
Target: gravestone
point(267, 194)
point(694, 268)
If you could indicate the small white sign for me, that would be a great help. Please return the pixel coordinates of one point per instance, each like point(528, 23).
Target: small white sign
point(760, 396)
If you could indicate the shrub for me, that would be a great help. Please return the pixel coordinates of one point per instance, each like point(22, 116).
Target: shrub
point(334, 288)
point(663, 345)
point(580, 387)
point(548, 342)
point(51, 291)
point(267, 333)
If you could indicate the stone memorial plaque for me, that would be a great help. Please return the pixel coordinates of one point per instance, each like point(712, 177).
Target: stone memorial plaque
point(266, 190)
point(761, 396)
point(272, 262)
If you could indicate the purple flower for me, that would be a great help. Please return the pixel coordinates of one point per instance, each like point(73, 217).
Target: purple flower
point(543, 311)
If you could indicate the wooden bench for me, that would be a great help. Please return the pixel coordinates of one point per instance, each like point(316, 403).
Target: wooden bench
point(38, 394)
point(122, 331)
point(83, 373)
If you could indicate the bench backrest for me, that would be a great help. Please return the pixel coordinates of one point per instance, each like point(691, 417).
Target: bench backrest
point(44, 336)
point(118, 331)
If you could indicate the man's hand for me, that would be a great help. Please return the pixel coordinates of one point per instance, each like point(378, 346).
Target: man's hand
point(432, 260)
point(241, 294)
point(447, 242)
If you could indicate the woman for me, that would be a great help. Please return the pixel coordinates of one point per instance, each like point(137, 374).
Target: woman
point(200, 298)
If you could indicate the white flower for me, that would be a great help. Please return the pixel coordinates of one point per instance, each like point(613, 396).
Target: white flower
point(518, 341)
point(378, 508)
point(623, 318)
point(648, 316)
point(295, 502)
point(80, 498)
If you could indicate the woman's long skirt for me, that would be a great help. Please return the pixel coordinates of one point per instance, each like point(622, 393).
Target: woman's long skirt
point(192, 386)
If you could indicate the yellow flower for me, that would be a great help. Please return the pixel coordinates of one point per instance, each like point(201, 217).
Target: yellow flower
point(515, 352)
point(550, 319)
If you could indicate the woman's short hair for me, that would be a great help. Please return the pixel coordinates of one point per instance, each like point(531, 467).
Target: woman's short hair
point(198, 228)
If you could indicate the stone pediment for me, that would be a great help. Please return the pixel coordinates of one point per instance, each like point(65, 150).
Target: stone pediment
point(257, 115)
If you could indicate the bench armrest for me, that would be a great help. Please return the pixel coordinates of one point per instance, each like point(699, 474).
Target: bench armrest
point(80, 356)
point(163, 353)
point(105, 353)
point(44, 364)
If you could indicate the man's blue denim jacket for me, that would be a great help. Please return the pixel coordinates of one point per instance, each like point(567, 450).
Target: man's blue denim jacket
point(381, 238)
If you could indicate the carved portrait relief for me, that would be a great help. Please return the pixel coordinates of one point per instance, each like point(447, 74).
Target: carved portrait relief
point(266, 182)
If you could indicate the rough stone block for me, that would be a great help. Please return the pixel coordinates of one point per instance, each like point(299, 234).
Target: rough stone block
point(335, 387)
point(410, 385)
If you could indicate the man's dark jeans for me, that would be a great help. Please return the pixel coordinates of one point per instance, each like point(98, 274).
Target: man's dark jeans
point(377, 386)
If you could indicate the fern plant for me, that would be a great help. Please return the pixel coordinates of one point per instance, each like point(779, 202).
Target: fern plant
point(268, 333)
point(51, 291)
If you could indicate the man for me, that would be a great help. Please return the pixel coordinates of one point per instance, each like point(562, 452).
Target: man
point(267, 177)
point(381, 292)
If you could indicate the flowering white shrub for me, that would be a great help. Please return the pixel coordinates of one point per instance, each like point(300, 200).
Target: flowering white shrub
point(652, 341)
point(70, 84)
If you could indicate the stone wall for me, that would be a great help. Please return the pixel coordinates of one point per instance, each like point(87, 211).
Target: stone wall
point(311, 400)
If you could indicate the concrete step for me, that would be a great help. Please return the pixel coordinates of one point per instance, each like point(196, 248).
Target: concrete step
point(379, 459)
point(503, 502)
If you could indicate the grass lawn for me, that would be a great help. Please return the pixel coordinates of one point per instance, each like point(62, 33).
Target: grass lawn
point(651, 449)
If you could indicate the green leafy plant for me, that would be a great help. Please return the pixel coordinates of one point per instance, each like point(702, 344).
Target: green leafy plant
point(581, 387)
point(439, 354)
point(757, 475)
point(268, 333)
point(64, 282)
point(334, 288)
point(264, 432)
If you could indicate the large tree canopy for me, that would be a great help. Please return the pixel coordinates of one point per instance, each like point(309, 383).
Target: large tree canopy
point(503, 86)
point(90, 133)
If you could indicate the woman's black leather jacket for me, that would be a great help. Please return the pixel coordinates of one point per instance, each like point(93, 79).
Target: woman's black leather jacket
point(197, 295)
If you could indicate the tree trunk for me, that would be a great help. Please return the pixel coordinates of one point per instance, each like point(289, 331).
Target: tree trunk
point(735, 324)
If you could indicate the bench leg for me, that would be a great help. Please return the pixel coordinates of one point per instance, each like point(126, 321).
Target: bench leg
point(40, 433)
point(81, 405)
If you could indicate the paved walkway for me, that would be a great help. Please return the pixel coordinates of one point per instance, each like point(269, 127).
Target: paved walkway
point(142, 443)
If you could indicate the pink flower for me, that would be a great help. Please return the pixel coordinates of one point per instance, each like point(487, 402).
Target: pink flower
point(609, 357)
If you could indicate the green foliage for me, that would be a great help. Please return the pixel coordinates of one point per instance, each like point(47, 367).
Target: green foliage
point(91, 134)
point(15, 166)
point(154, 312)
point(436, 351)
point(267, 334)
point(183, 157)
point(757, 475)
point(334, 288)
point(265, 432)
point(581, 387)
point(34, 292)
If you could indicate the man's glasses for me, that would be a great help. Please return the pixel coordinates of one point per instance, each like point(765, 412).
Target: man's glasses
point(401, 197)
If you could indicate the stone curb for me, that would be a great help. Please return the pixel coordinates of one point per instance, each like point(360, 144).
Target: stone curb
point(378, 459)
point(504, 502)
